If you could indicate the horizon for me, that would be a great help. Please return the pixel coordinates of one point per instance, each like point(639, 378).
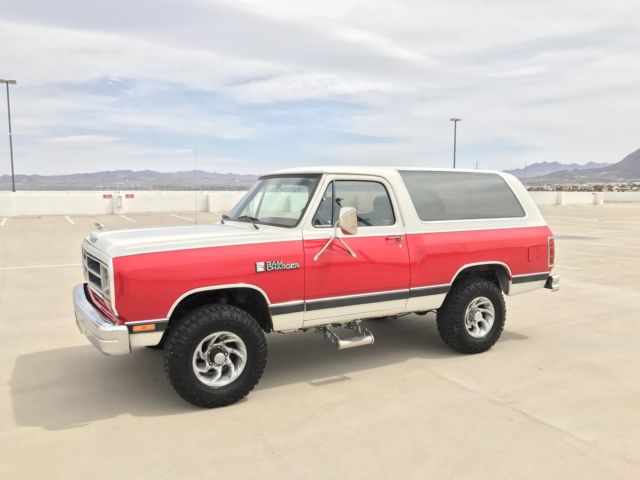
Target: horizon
point(258, 174)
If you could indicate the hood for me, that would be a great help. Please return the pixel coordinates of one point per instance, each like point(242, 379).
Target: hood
point(119, 243)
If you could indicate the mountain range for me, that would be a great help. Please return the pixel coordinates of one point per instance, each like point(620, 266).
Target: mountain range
point(132, 180)
point(545, 168)
point(549, 173)
point(626, 170)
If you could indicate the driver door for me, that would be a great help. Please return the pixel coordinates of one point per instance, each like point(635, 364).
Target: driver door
point(339, 287)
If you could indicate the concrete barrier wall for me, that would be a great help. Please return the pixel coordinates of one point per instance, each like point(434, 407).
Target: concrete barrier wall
point(583, 198)
point(96, 203)
point(622, 196)
point(545, 198)
point(53, 203)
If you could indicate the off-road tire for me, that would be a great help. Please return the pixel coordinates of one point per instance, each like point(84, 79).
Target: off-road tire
point(451, 315)
point(185, 337)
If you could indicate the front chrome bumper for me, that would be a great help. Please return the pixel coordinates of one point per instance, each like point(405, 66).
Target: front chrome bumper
point(110, 339)
point(553, 282)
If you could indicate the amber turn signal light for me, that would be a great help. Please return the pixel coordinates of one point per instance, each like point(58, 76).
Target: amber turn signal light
point(144, 328)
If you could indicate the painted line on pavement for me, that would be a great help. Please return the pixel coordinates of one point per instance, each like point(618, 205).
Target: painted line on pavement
point(598, 221)
point(183, 218)
point(603, 256)
point(28, 267)
point(595, 231)
point(567, 266)
point(69, 220)
point(127, 218)
point(598, 244)
point(4, 220)
point(612, 245)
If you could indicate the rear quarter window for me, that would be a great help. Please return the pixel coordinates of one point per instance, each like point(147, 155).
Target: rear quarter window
point(439, 196)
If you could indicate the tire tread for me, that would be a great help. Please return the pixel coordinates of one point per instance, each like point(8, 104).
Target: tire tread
point(450, 317)
point(177, 352)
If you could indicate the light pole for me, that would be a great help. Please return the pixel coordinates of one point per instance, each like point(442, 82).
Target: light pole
point(455, 129)
point(13, 177)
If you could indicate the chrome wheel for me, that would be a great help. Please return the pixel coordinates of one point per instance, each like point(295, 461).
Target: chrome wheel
point(479, 317)
point(219, 359)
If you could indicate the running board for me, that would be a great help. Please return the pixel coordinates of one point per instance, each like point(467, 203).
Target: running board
point(362, 336)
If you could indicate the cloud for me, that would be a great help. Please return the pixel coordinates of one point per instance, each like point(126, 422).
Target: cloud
point(84, 139)
point(262, 85)
point(305, 87)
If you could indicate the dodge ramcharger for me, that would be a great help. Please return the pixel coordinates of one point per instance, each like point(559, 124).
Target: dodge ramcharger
point(318, 249)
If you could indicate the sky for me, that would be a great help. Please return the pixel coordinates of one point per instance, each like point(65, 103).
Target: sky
point(253, 86)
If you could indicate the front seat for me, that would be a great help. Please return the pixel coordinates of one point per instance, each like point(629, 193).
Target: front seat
point(382, 212)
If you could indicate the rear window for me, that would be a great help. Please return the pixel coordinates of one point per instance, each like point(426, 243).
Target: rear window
point(460, 195)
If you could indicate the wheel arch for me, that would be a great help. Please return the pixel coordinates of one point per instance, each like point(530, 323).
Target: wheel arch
point(494, 270)
point(247, 297)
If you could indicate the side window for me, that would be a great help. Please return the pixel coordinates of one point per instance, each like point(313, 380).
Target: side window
point(460, 195)
point(370, 199)
point(324, 214)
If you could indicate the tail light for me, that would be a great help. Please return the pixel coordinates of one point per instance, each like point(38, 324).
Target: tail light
point(551, 251)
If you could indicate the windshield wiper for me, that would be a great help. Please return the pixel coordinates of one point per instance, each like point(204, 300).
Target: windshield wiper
point(253, 220)
point(225, 217)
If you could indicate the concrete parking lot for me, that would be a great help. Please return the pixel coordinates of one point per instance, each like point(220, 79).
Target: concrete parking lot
point(557, 397)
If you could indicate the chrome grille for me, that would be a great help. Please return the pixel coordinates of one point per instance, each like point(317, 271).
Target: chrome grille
point(96, 274)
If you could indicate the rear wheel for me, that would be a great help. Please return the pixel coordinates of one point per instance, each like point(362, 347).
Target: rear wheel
point(215, 355)
point(473, 314)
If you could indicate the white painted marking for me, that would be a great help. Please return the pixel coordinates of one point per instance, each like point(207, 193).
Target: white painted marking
point(583, 232)
point(618, 237)
point(180, 216)
point(28, 267)
point(598, 220)
point(598, 244)
point(614, 246)
point(567, 266)
point(130, 219)
point(69, 220)
point(4, 220)
point(603, 256)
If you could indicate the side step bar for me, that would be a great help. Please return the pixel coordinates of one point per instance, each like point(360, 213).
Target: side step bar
point(362, 336)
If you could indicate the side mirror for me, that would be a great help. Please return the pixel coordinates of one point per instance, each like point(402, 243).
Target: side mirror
point(348, 220)
point(348, 223)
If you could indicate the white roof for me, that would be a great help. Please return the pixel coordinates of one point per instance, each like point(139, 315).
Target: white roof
point(370, 170)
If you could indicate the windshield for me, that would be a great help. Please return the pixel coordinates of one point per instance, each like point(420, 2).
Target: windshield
point(279, 201)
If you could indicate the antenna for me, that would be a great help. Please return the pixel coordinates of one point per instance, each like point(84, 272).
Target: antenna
point(195, 167)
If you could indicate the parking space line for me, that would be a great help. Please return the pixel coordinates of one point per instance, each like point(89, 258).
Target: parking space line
point(598, 244)
point(183, 218)
point(585, 232)
point(69, 220)
point(603, 256)
point(614, 246)
point(130, 219)
point(28, 267)
point(619, 237)
point(4, 220)
point(567, 266)
point(598, 221)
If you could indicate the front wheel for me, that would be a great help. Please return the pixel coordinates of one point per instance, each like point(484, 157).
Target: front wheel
point(472, 317)
point(215, 355)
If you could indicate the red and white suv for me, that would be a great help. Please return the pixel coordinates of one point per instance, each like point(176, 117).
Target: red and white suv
point(317, 248)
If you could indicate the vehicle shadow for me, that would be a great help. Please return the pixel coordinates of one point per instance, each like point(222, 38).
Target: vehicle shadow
point(72, 387)
point(309, 357)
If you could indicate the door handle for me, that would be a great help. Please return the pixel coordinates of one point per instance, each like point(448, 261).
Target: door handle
point(397, 238)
